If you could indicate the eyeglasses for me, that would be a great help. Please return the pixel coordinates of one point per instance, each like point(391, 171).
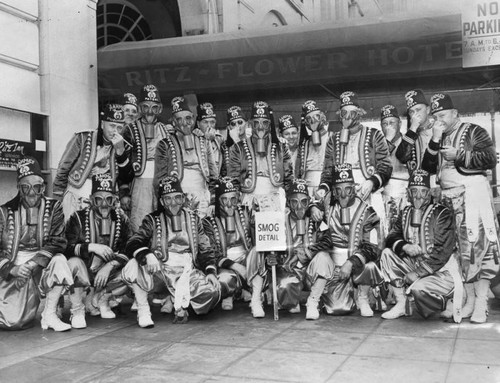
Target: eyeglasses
point(296, 203)
point(170, 199)
point(419, 193)
point(235, 123)
point(27, 188)
point(264, 124)
point(348, 114)
point(99, 201)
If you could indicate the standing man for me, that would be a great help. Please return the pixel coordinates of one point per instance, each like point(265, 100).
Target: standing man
point(93, 152)
point(31, 261)
point(236, 131)
point(312, 147)
point(144, 134)
point(206, 122)
point(460, 154)
point(362, 147)
point(290, 132)
point(394, 193)
point(187, 155)
point(261, 163)
point(171, 250)
point(130, 110)
point(420, 252)
point(97, 236)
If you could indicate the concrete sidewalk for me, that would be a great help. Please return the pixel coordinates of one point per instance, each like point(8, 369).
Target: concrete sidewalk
point(234, 347)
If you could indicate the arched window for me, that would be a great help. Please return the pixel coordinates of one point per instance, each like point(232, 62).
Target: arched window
point(273, 19)
point(117, 21)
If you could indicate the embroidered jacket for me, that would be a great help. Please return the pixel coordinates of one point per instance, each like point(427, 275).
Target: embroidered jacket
point(78, 159)
point(50, 233)
point(411, 150)
point(134, 133)
point(303, 153)
point(476, 152)
point(82, 229)
point(169, 159)
point(436, 236)
point(152, 237)
point(218, 237)
point(373, 154)
point(243, 164)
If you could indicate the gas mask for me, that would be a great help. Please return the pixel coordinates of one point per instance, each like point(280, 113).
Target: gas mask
point(298, 204)
point(103, 203)
point(237, 129)
point(150, 111)
point(228, 203)
point(184, 124)
point(349, 118)
point(261, 130)
point(345, 193)
point(315, 121)
point(419, 197)
point(31, 189)
point(173, 203)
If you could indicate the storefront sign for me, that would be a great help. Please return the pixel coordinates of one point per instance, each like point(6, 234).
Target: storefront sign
point(481, 33)
point(11, 152)
point(270, 232)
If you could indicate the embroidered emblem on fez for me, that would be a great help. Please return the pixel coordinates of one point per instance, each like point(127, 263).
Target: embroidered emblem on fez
point(309, 106)
point(176, 101)
point(409, 96)
point(344, 174)
point(387, 110)
point(130, 99)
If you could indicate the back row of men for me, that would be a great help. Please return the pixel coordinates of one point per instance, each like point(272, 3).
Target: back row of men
point(346, 196)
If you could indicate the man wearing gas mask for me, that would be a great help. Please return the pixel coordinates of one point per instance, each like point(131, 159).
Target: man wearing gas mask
point(206, 121)
point(187, 155)
point(171, 250)
point(236, 131)
point(31, 260)
point(229, 231)
point(97, 236)
point(144, 135)
point(93, 152)
point(364, 148)
point(355, 230)
point(418, 134)
point(312, 146)
point(290, 132)
point(460, 154)
point(394, 193)
point(420, 253)
point(261, 163)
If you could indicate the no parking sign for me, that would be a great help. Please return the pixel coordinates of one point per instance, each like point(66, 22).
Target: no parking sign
point(270, 231)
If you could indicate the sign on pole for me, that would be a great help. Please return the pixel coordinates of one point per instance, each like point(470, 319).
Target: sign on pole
point(270, 232)
point(480, 33)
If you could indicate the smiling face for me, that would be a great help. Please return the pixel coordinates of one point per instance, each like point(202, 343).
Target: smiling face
point(448, 117)
point(130, 112)
point(291, 135)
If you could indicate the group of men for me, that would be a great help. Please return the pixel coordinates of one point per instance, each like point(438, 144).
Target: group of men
point(166, 213)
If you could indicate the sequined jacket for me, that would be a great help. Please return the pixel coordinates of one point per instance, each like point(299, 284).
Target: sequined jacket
point(78, 159)
point(82, 230)
point(243, 165)
point(216, 233)
point(411, 150)
point(476, 152)
point(436, 236)
point(152, 237)
point(50, 236)
point(374, 158)
point(169, 159)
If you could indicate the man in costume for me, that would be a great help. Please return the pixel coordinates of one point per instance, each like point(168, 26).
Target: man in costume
point(206, 122)
point(311, 158)
point(93, 152)
point(144, 135)
point(187, 155)
point(290, 132)
point(236, 131)
point(96, 237)
point(364, 148)
point(171, 250)
point(394, 193)
point(420, 253)
point(31, 261)
point(130, 111)
point(261, 163)
point(414, 143)
point(230, 234)
point(460, 154)
point(355, 230)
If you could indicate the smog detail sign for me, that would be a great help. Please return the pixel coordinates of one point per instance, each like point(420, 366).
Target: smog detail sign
point(270, 231)
point(480, 33)
point(11, 152)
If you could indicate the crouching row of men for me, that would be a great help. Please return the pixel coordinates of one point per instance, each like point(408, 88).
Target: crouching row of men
point(199, 263)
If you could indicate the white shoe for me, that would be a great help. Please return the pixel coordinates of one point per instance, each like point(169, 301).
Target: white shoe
point(168, 306)
point(312, 312)
point(295, 310)
point(257, 309)
point(53, 322)
point(78, 318)
point(399, 310)
point(227, 304)
point(144, 318)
